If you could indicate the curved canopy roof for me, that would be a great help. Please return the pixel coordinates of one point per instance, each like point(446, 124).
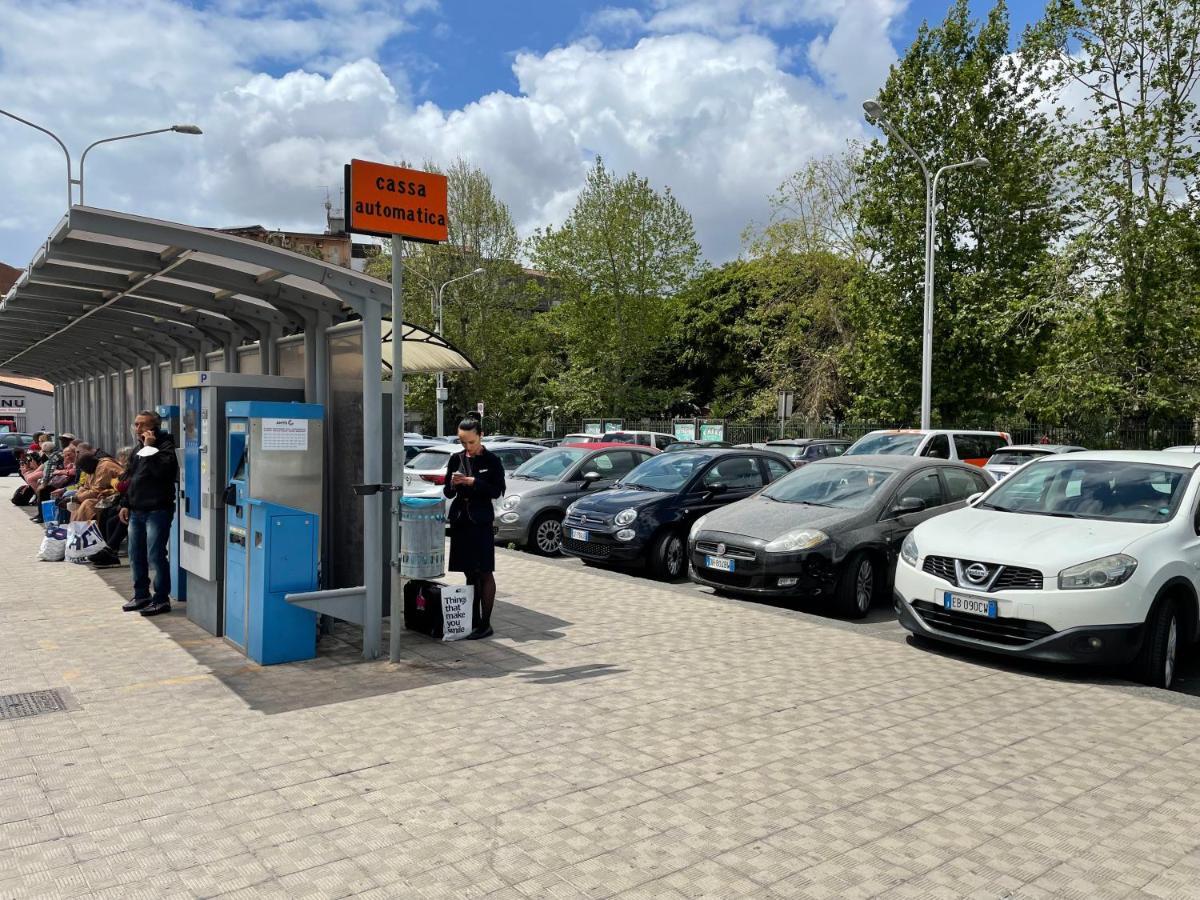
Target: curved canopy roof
point(111, 286)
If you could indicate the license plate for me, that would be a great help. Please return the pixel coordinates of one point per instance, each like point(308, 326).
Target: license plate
point(976, 606)
point(717, 562)
point(577, 535)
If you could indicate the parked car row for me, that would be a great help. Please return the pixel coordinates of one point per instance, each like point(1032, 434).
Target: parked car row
point(1042, 551)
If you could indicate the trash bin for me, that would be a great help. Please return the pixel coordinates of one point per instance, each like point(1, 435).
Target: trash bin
point(422, 537)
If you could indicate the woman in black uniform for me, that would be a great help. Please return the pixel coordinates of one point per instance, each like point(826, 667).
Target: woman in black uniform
point(474, 478)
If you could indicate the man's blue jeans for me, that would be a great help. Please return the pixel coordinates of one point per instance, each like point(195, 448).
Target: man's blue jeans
point(148, 535)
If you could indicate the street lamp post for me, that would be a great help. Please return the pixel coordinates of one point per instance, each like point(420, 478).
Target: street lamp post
point(875, 111)
point(71, 179)
point(441, 388)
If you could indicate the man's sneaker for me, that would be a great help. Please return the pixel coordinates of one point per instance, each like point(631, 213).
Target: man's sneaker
point(156, 609)
point(137, 604)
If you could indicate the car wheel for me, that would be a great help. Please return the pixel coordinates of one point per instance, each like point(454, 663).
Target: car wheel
point(670, 556)
point(857, 586)
point(545, 537)
point(1157, 660)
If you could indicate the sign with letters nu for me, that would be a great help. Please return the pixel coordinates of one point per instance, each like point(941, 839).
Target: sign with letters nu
point(392, 200)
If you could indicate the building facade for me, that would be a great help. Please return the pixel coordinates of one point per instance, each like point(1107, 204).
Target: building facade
point(26, 404)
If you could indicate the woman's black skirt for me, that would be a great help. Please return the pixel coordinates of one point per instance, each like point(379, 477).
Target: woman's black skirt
point(472, 548)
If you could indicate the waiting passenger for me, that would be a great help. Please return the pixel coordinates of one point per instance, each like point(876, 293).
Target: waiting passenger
point(148, 507)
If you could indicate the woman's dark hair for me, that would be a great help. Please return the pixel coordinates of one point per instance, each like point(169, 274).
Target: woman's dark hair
point(471, 425)
point(88, 462)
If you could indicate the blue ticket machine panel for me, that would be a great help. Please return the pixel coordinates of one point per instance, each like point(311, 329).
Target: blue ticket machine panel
point(272, 546)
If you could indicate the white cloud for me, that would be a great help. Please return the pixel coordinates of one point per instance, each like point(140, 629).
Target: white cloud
point(702, 103)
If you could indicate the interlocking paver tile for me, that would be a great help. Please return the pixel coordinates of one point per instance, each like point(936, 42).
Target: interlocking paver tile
point(644, 741)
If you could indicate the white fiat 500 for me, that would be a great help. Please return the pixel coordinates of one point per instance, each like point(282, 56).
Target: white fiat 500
point(1089, 558)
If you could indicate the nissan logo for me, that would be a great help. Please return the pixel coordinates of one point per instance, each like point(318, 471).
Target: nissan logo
point(976, 573)
point(720, 549)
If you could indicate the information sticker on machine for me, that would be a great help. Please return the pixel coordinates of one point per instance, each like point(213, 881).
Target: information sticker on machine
point(285, 434)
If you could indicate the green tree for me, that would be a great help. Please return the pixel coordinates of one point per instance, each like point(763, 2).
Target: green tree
point(1126, 73)
point(959, 92)
point(618, 260)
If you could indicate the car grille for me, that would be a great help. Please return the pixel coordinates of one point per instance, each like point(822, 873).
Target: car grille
point(710, 548)
point(586, 548)
point(585, 520)
point(1009, 632)
point(942, 567)
point(1009, 578)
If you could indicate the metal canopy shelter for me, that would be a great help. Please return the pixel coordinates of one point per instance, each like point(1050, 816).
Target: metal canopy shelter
point(111, 293)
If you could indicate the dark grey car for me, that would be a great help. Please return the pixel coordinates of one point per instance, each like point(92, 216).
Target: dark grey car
point(831, 530)
point(538, 493)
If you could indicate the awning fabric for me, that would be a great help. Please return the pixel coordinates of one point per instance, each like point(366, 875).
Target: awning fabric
point(111, 286)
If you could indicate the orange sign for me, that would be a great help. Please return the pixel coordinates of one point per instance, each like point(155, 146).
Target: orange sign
point(390, 200)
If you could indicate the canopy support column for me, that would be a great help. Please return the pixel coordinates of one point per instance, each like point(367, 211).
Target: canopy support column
point(373, 474)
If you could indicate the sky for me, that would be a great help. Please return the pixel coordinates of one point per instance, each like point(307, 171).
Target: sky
point(720, 100)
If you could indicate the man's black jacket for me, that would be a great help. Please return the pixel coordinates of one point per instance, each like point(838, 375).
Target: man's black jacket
point(152, 478)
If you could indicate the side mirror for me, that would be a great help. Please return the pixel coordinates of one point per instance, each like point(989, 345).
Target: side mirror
point(908, 505)
point(590, 478)
point(971, 501)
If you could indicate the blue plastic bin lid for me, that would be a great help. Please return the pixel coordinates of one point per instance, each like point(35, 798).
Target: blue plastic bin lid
point(421, 502)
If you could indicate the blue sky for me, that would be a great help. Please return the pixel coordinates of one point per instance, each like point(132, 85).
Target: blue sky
point(469, 48)
point(720, 100)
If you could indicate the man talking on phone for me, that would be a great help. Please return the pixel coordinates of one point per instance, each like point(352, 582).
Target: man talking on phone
point(148, 507)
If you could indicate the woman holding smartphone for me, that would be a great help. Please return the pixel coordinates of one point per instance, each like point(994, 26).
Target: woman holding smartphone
point(474, 478)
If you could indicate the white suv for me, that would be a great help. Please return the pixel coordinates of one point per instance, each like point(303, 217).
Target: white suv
point(974, 447)
point(1092, 557)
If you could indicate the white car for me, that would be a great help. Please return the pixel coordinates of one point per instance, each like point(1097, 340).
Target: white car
point(1007, 460)
point(425, 473)
point(656, 439)
point(1090, 557)
point(974, 447)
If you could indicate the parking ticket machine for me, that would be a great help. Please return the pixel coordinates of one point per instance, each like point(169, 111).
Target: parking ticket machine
point(273, 522)
point(202, 397)
point(170, 424)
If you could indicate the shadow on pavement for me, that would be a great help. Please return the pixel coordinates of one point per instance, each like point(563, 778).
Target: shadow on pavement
point(339, 673)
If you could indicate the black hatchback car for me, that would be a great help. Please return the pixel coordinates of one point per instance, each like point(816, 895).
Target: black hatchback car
point(645, 517)
point(830, 530)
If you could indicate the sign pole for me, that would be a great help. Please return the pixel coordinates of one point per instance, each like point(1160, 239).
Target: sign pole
point(397, 616)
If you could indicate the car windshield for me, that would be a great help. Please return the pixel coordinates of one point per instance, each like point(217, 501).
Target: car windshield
point(428, 460)
point(550, 465)
point(665, 472)
point(618, 437)
point(1111, 490)
point(889, 443)
point(1015, 457)
point(841, 486)
point(791, 451)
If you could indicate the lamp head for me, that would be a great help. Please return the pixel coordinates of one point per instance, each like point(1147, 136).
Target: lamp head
point(980, 162)
point(478, 271)
point(187, 129)
point(873, 109)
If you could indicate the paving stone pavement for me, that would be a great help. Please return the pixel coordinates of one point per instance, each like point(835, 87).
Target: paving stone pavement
point(617, 738)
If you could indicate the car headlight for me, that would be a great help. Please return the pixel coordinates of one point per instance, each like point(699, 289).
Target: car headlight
point(511, 501)
point(696, 526)
point(1104, 572)
point(797, 539)
point(908, 550)
point(625, 517)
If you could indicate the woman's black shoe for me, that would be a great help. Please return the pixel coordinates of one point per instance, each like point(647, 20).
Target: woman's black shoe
point(105, 559)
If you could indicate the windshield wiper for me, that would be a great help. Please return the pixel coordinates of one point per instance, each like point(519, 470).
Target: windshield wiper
point(998, 508)
point(1063, 515)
